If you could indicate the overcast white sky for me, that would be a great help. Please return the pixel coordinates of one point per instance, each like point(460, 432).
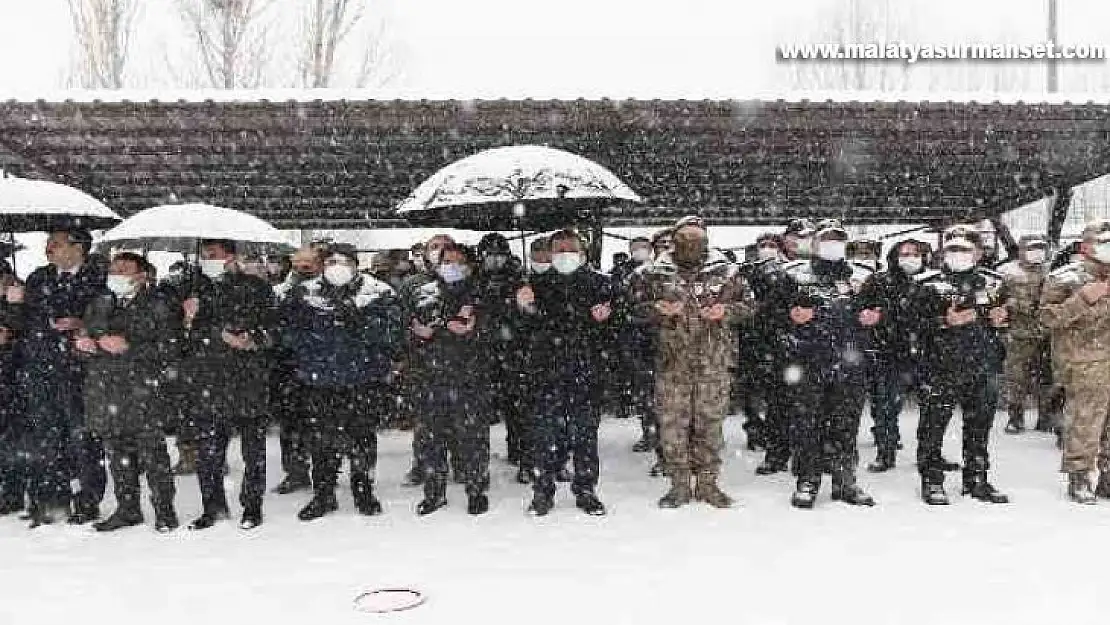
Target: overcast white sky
point(593, 48)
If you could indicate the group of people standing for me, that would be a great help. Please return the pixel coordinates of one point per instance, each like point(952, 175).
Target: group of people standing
point(99, 360)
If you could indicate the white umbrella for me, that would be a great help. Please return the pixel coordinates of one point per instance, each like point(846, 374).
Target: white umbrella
point(481, 191)
point(41, 206)
point(181, 227)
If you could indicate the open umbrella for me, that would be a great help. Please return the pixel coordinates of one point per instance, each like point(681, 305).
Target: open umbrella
point(513, 187)
point(181, 228)
point(41, 206)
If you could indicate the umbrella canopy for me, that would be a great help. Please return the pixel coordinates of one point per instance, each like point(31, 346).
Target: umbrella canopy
point(41, 206)
point(483, 191)
point(181, 227)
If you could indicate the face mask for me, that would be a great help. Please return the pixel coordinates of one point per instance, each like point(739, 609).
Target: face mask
point(212, 267)
point(959, 261)
point(832, 251)
point(1034, 257)
point(433, 256)
point(641, 255)
point(339, 275)
point(122, 286)
point(910, 264)
point(452, 272)
point(494, 262)
point(566, 262)
point(768, 253)
point(540, 267)
point(1102, 253)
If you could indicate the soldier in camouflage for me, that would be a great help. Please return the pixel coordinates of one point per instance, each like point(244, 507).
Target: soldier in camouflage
point(1076, 308)
point(1027, 349)
point(694, 297)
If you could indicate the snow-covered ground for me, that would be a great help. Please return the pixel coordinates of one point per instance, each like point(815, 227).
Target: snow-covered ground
point(1039, 560)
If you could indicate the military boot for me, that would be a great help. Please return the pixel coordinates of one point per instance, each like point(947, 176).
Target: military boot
point(477, 503)
point(977, 486)
point(1102, 490)
point(932, 491)
point(1079, 488)
point(251, 518)
point(165, 518)
point(588, 502)
point(292, 483)
point(1016, 424)
point(435, 496)
point(845, 488)
point(771, 465)
point(321, 504)
point(708, 492)
point(884, 461)
point(362, 488)
point(680, 494)
point(805, 494)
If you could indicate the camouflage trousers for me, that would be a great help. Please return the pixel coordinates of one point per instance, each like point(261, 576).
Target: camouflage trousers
point(1087, 431)
point(1026, 371)
point(690, 416)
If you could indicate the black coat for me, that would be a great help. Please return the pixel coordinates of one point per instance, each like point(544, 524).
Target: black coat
point(122, 391)
point(228, 383)
point(565, 339)
point(51, 295)
point(973, 348)
point(448, 358)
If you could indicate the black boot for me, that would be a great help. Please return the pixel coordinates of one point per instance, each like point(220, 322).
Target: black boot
point(252, 517)
point(587, 502)
point(771, 465)
point(884, 461)
point(979, 488)
point(362, 487)
point(1016, 424)
point(321, 504)
point(165, 518)
point(846, 489)
point(476, 504)
point(84, 511)
point(435, 497)
point(210, 517)
point(129, 516)
point(563, 476)
point(11, 505)
point(805, 495)
point(292, 483)
point(932, 491)
point(1079, 488)
point(542, 502)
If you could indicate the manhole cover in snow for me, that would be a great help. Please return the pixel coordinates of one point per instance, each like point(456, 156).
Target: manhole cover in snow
point(382, 600)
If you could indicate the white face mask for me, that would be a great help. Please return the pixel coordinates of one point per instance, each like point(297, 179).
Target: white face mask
point(1101, 253)
point(959, 261)
point(910, 264)
point(122, 286)
point(832, 251)
point(566, 262)
point(339, 275)
point(213, 268)
point(641, 255)
point(538, 267)
point(453, 272)
point(1035, 257)
point(767, 253)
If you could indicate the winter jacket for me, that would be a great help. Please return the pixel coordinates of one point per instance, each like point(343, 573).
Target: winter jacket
point(896, 337)
point(342, 336)
point(973, 348)
point(834, 344)
point(565, 340)
point(691, 347)
point(122, 390)
point(446, 357)
point(1023, 285)
point(1080, 331)
point(51, 295)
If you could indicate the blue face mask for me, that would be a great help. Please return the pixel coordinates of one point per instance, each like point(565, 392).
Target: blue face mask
point(452, 272)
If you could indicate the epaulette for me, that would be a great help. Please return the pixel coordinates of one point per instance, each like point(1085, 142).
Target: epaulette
point(1010, 269)
point(1072, 273)
point(927, 275)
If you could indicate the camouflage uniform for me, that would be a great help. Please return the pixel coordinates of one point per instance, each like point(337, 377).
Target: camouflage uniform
point(1027, 349)
point(1081, 336)
point(693, 361)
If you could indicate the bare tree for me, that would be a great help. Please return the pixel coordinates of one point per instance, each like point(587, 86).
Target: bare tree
point(231, 38)
point(103, 29)
point(341, 28)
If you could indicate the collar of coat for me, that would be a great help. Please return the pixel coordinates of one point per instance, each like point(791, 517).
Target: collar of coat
point(715, 264)
point(363, 290)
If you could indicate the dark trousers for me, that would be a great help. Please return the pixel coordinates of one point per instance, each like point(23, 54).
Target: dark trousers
point(975, 393)
point(342, 422)
point(131, 456)
point(452, 416)
point(825, 427)
point(889, 384)
point(566, 423)
point(58, 445)
point(214, 435)
point(13, 468)
point(777, 424)
point(288, 405)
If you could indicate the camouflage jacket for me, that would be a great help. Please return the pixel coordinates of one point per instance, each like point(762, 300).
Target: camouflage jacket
point(1080, 331)
point(688, 345)
point(1023, 286)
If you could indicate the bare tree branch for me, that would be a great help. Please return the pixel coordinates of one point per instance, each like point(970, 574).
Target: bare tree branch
point(230, 38)
point(103, 29)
